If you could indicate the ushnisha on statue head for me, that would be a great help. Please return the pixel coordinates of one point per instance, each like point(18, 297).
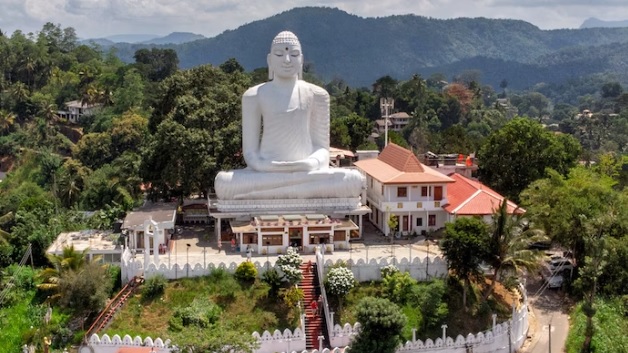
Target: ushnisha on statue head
point(285, 59)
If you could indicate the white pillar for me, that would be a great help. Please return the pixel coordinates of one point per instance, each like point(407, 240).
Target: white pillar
point(157, 236)
point(146, 248)
point(360, 223)
point(444, 327)
point(217, 227)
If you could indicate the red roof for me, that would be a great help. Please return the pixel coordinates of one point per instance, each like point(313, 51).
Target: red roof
point(397, 165)
point(470, 197)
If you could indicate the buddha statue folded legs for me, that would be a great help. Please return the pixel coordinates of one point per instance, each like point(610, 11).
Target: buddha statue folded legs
point(247, 184)
point(285, 138)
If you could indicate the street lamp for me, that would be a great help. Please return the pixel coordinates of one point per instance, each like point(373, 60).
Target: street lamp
point(267, 254)
point(187, 260)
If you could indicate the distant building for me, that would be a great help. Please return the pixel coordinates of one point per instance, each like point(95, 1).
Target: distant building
point(396, 122)
point(452, 163)
point(194, 211)
point(76, 109)
point(105, 244)
point(341, 158)
point(159, 217)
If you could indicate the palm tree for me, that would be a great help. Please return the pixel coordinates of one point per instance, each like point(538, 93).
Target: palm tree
point(69, 260)
point(7, 119)
point(508, 248)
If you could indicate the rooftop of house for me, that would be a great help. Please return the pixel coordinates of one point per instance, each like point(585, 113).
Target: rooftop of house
point(157, 211)
point(335, 152)
point(397, 165)
point(97, 241)
point(400, 115)
point(79, 104)
point(470, 197)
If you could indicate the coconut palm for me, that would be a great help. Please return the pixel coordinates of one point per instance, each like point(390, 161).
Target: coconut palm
point(7, 119)
point(69, 260)
point(508, 246)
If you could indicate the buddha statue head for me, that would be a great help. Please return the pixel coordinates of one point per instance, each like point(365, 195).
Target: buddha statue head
point(285, 59)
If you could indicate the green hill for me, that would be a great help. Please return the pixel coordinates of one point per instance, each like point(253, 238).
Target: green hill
point(360, 50)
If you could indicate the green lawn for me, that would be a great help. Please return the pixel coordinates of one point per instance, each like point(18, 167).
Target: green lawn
point(247, 306)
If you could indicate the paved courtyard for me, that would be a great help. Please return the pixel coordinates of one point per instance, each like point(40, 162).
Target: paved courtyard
point(198, 244)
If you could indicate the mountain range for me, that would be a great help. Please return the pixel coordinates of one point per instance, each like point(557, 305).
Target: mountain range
point(594, 22)
point(360, 50)
point(147, 39)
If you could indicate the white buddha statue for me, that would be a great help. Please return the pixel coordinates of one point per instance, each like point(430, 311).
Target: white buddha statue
point(285, 137)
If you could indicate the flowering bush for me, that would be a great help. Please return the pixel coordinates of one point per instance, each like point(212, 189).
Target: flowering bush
point(389, 270)
point(291, 258)
point(291, 274)
point(340, 281)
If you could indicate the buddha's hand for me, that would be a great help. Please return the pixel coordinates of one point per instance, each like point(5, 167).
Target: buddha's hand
point(302, 165)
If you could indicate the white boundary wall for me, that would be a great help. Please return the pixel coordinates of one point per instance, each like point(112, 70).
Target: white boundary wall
point(494, 340)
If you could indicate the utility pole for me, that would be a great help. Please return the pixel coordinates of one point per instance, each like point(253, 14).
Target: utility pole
point(509, 338)
point(550, 337)
point(386, 104)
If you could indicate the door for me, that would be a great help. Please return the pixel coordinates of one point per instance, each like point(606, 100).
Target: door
point(438, 193)
point(406, 221)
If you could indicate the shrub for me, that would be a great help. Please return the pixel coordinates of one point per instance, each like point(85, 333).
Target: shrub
point(289, 265)
point(291, 275)
point(291, 258)
point(389, 270)
point(154, 287)
point(292, 296)
point(273, 279)
point(115, 274)
point(200, 313)
point(246, 271)
point(399, 287)
point(340, 281)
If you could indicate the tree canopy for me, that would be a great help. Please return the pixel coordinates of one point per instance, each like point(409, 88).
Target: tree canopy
point(520, 152)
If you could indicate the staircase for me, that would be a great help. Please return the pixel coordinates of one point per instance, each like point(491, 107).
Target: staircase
point(313, 322)
point(116, 303)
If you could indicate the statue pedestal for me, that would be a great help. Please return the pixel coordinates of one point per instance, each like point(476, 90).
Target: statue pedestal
point(323, 205)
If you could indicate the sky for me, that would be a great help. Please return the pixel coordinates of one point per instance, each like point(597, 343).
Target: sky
point(101, 18)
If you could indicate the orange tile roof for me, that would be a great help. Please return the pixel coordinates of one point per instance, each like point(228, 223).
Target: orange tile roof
point(470, 197)
point(400, 159)
point(397, 165)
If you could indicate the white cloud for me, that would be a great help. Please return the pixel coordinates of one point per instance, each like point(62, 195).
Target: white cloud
point(99, 18)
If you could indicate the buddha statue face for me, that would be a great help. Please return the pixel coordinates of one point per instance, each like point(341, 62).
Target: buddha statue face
point(285, 59)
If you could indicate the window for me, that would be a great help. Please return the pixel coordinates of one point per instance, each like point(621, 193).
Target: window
point(382, 189)
point(431, 220)
point(272, 240)
point(249, 238)
point(402, 191)
point(371, 179)
point(419, 222)
point(424, 191)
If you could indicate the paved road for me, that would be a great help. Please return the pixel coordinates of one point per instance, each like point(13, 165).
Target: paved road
point(549, 309)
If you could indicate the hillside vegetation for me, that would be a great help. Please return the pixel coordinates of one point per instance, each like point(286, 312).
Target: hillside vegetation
point(360, 50)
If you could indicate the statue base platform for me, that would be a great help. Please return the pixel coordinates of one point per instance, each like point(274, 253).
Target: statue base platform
point(278, 206)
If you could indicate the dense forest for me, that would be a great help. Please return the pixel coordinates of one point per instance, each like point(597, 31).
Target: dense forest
point(162, 133)
point(360, 50)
